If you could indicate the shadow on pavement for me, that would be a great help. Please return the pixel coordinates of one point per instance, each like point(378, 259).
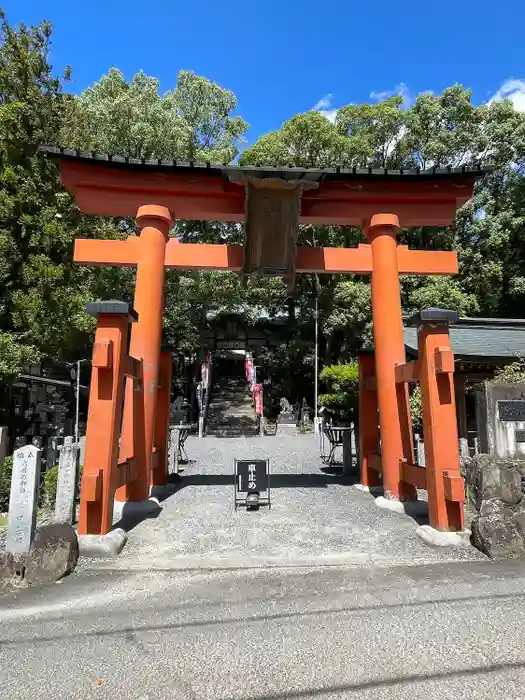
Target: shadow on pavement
point(392, 682)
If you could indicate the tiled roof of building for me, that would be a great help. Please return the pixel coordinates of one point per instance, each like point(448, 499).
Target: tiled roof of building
point(484, 338)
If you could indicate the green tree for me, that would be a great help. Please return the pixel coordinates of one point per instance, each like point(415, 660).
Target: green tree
point(191, 122)
point(342, 382)
point(39, 288)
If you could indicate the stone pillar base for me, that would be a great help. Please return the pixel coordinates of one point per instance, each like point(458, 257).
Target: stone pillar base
point(411, 508)
point(125, 509)
point(436, 538)
point(102, 546)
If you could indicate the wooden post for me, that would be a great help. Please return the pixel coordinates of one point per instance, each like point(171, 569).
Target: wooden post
point(159, 474)
point(389, 351)
point(444, 482)
point(368, 421)
point(461, 404)
point(4, 444)
point(347, 452)
point(420, 451)
point(106, 396)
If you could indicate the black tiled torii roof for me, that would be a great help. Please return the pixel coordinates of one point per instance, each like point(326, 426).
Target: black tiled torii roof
point(283, 172)
point(480, 338)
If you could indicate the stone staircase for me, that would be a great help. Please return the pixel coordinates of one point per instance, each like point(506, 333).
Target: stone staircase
point(230, 413)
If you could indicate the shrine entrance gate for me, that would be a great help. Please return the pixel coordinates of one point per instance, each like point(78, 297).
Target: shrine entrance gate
point(272, 202)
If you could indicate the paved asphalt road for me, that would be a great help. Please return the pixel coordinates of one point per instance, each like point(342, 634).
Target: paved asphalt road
point(446, 631)
point(324, 596)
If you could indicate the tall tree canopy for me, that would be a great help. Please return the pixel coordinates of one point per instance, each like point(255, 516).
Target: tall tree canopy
point(39, 289)
point(42, 294)
point(192, 122)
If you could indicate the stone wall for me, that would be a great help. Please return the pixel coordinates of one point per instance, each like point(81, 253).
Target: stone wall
point(500, 418)
point(495, 487)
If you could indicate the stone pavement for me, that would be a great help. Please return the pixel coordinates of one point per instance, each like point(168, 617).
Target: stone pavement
point(315, 518)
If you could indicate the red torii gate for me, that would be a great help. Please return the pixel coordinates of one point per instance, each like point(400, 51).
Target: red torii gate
point(272, 202)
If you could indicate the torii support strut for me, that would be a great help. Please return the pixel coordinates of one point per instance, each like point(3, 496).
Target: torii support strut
point(434, 370)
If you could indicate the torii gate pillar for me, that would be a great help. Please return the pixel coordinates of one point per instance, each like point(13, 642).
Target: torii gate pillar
point(154, 222)
point(389, 351)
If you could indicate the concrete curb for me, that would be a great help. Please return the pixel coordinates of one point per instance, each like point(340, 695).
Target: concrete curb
point(125, 509)
point(436, 538)
point(101, 546)
point(411, 508)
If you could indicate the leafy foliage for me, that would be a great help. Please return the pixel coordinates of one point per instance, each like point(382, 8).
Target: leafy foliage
point(5, 484)
point(416, 407)
point(48, 494)
point(192, 122)
point(514, 373)
point(40, 290)
point(342, 382)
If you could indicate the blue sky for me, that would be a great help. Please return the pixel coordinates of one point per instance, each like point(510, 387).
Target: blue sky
point(281, 57)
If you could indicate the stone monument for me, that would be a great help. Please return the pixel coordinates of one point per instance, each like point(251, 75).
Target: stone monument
point(494, 477)
point(23, 500)
point(500, 417)
point(67, 481)
point(287, 420)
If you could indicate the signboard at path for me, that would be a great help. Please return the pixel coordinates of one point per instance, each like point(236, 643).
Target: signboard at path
point(251, 477)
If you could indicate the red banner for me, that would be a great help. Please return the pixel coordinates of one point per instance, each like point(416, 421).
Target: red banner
point(258, 396)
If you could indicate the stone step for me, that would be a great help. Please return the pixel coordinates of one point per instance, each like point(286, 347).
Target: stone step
point(230, 413)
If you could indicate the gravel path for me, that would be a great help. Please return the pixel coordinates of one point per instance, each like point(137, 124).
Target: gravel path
point(316, 518)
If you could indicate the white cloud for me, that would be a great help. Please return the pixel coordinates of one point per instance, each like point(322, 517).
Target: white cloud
point(324, 102)
point(512, 89)
point(399, 89)
point(324, 106)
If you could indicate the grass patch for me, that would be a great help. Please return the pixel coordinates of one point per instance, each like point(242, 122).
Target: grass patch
point(3, 522)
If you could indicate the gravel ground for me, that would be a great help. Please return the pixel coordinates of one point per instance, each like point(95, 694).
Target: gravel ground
point(316, 517)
